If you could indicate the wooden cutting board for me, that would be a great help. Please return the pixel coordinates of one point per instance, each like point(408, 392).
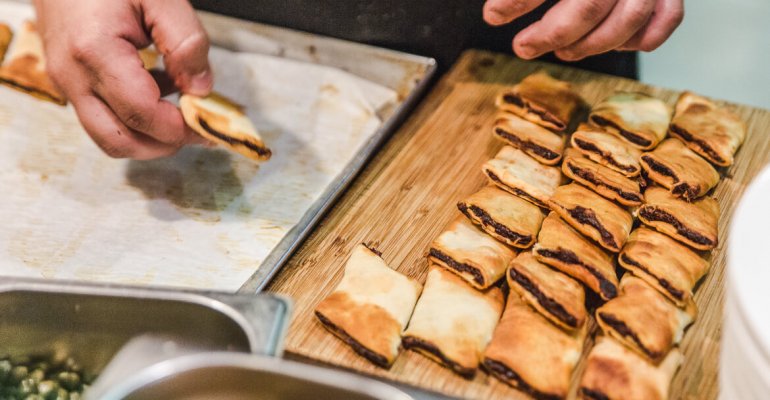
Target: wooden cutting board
point(409, 193)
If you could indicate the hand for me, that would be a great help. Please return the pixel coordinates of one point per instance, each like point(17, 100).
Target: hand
point(91, 48)
point(575, 29)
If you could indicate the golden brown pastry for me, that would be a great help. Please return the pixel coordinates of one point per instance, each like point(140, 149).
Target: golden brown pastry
point(25, 68)
point(508, 218)
point(542, 99)
point(520, 174)
point(664, 263)
point(592, 215)
point(640, 119)
point(694, 224)
point(677, 168)
point(562, 247)
point(713, 132)
point(5, 40)
point(470, 253)
point(558, 297)
point(222, 121)
point(370, 307)
point(614, 372)
point(602, 180)
point(644, 320)
point(531, 354)
point(540, 143)
point(607, 149)
point(453, 322)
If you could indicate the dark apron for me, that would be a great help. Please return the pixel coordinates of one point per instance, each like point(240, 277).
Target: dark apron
point(436, 28)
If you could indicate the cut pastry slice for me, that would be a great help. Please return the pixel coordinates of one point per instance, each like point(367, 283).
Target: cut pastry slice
point(370, 307)
point(593, 215)
point(640, 119)
point(614, 372)
point(470, 253)
point(562, 247)
point(453, 322)
point(644, 320)
point(508, 218)
point(25, 67)
point(694, 224)
point(520, 174)
point(540, 143)
point(222, 121)
point(602, 180)
point(531, 354)
point(664, 263)
point(677, 168)
point(713, 132)
point(5, 40)
point(558, 297)
point(607, 150)
point(542, 99)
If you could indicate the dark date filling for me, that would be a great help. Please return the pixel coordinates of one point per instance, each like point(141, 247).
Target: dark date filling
point(588, 217)
point(460, 267)
point(653, 214)
point(623, 330)
point(608, 289)
point(678, 294)
point(500, 229)
point(507, 375)
point(548, 303)
point(411, 342)
point(630, 136)
point(511, 98)
point(539, 150)
point(680, 188)
point(375, 358)
point(516, 191)
point(264, 152)
point(698, 142)
point(591, 178)
point(589, 394)
point(587, 146)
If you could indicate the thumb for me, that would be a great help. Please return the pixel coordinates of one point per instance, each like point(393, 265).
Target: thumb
point(180, 37)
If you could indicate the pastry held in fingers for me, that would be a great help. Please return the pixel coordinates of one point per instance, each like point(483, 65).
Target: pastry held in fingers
point(508, 218)
point(592, 215)
point(531, 354)
point(370, 307)
point(644, 320)
point(453, 322)
point(640, 119)
point(538, 142)
point(563, 248)
point(669, 266)
point(554, 294)
point(695, 224)
point(609, 183)
point(470, 253)
point(542, 99)
point(517, 173)
point(677, 168)
point(711, 131)
point(607, 149)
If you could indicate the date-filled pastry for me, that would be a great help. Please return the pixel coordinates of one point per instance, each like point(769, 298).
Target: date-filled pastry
point(592, 215)
point(453, 322)
point(664, 263)
point(370, 307)
point(508, 218)
point(562, 247)
point(531, 354)
point(677, 168)
point(643, 319)
point(517, 173)
point(470, 253)
point(558, 297)
point(540, 143)
point(614, 372)
point(607, 149)
point(640, 119)
point(542, 99)
point(5, 39)
point(694, 224)
point(713, 132)
point(607, 182)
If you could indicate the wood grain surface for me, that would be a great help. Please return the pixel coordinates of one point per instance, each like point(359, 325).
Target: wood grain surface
point(408, 193)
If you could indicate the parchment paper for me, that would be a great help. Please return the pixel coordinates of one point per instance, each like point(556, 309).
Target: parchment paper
point(205, 218)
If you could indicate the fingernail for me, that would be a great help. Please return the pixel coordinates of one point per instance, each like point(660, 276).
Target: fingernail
point(201, 84)
point(495, 17)
point(525, 51)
